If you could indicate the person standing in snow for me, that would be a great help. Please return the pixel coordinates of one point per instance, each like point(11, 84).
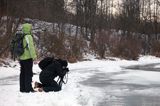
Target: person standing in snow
point(26, 59)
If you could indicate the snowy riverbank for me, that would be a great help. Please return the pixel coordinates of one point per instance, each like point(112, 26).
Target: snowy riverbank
point(80, 94)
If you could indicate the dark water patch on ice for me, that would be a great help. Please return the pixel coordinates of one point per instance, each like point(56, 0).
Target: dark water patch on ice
point(146, 67)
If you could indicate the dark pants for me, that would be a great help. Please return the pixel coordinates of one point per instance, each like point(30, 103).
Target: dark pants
point(53, 86)
point(49, 84)
point(26, 75)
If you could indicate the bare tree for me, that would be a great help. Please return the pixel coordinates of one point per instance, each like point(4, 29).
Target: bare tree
point(9, 25)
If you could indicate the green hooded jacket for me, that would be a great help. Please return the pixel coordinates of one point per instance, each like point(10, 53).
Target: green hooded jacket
point(29, 51)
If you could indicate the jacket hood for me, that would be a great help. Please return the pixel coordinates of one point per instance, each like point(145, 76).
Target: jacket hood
point(26, 28)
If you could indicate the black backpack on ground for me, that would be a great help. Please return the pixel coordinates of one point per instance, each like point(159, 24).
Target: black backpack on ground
point(16, 46)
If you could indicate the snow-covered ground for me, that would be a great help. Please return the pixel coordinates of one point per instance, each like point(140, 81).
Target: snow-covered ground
point(79, 92)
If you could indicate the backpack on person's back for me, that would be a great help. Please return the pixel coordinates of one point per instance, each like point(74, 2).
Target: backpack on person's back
point(16, 46)
point(45, 62)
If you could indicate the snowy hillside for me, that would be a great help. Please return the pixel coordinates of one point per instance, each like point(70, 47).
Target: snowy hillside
point(41, 26)
point(91, 83)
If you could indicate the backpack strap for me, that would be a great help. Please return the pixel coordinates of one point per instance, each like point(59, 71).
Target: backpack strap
point(22, 38)
point(27, 42)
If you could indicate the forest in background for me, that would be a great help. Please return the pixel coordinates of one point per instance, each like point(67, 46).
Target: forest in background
point(124, 29)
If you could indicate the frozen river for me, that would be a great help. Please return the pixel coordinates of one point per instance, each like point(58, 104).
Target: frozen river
point(120, 92)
